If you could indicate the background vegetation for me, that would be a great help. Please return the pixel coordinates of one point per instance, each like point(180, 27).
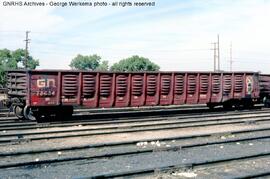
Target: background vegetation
point(10, 60)
point(14, 60)
point(131, 64)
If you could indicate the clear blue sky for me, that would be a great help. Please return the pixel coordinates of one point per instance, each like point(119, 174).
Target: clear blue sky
point(176, 34)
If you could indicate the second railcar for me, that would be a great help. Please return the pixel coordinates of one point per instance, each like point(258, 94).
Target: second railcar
point(38, 93)
point(265, 89)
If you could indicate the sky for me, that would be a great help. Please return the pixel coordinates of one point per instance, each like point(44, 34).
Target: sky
point(175, 34)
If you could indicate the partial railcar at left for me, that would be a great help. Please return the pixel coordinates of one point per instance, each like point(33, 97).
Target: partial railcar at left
point(39, 93)
point(3, 97)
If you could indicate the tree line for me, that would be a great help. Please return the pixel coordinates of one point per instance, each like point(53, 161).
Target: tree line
point(94, 63)
point(10, 60)
point(14, 60)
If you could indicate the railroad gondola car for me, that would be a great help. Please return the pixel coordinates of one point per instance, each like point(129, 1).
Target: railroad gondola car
point(3, 97)
point(265, 89)
point(43, 93)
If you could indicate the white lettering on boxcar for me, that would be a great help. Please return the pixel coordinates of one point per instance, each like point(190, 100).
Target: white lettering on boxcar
point(45, 83)
point(249, 84)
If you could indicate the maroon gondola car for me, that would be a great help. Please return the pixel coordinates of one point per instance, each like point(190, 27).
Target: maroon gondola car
point(41, 93)
point(265, 89)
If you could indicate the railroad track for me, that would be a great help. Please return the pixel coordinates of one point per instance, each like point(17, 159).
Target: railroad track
point(36, 148)
point(155, 124)
point(99, 115)
point(105, 114)
point(84, 111)
point(110, 120)
point(111, 149)
point(195, 145)
point(181, 170)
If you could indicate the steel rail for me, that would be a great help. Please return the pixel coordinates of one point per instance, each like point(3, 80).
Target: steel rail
point(151, 127)
point(32, 125)
point(133, 142)
point(132, 152)
point(191, 165)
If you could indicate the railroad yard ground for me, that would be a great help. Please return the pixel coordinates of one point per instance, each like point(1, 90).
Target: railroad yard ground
point(201, 144)
point(134, 89)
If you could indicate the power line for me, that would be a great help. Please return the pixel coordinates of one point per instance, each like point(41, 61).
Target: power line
point(251, 58)
point(63, 46)
point(11, 31)
point(255, 63)
point(70, 45)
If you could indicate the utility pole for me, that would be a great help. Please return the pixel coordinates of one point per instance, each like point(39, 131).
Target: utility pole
point(231, 61)
point(215, 56)
point(218, 53)
point(27, 41)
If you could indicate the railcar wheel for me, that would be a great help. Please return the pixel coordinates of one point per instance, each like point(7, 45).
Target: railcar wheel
point(28, 113)
point(18, 111)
